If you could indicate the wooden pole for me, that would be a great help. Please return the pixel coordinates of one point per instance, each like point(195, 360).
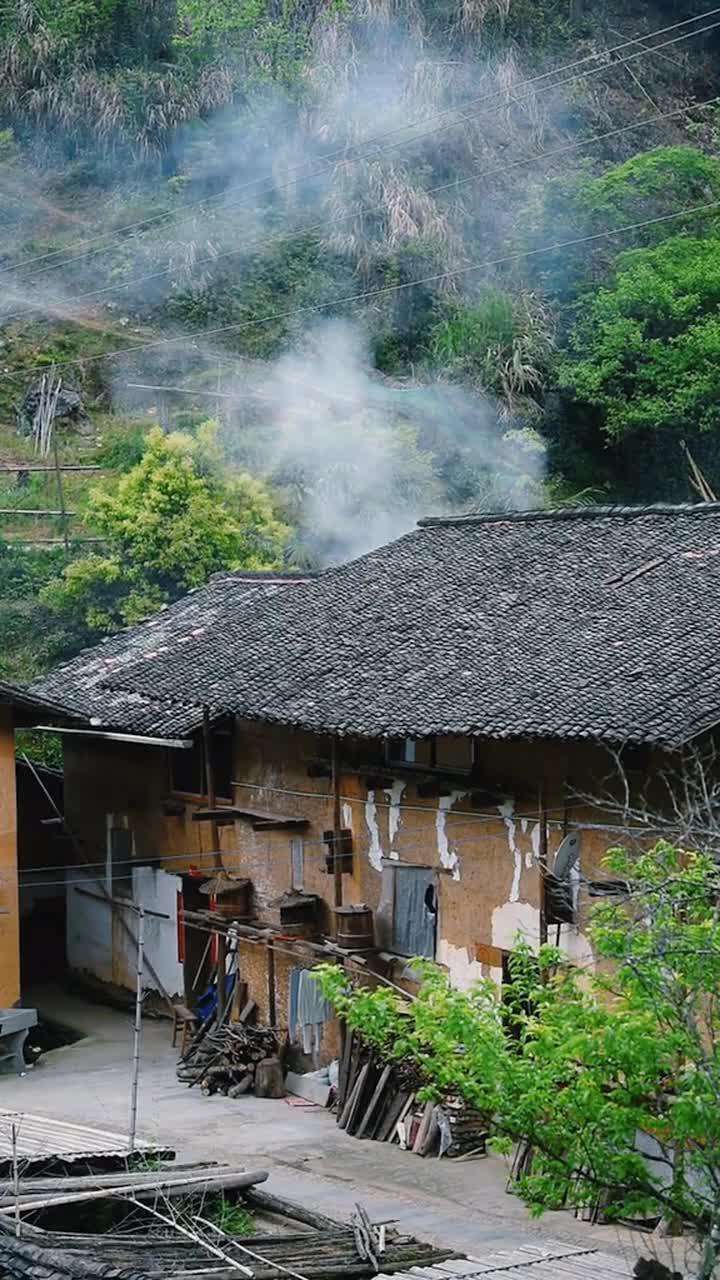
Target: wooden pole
point(61, 495)
point(217, 859)
point(16, 1181)
point(22, 467)
point(138, 1026)
point(272, 1007)
point(542, 807)
point(337, 823)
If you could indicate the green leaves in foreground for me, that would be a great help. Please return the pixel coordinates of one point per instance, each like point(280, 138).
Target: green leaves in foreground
point(577, 1063)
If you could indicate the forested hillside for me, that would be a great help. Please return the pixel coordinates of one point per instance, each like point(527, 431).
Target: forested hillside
point(308, 269)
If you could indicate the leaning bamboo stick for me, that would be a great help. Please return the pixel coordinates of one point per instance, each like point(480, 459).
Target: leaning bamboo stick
point(164, 1186)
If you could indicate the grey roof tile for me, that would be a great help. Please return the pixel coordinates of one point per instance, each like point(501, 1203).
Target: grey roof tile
point(82, 685)
point(595, 623)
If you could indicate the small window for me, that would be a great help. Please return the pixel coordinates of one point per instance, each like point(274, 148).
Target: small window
point(187, 766)
point(222, 753)
point(297, 864)
point(121, 851)
point(187, 769)
point(411, 751)
point(414, 919)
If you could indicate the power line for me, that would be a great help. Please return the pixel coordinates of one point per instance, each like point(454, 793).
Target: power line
point(378, 292)
point(527, 84)
point(612, 829)
point(324, 224)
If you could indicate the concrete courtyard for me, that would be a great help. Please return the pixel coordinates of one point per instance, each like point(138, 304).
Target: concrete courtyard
point(460, 1204)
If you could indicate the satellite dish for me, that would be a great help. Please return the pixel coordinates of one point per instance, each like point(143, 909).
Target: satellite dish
point(566, 856)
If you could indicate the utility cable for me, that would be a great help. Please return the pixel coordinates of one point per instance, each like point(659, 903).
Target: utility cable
point(378, 292)
point(235, 857)
point(324, 224)
point(606, 55)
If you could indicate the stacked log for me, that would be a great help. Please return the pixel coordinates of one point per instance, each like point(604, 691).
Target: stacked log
point(233, 1059)
point(383, 1101)
point(466, 1131)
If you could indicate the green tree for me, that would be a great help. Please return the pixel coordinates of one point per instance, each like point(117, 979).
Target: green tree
point(652, 189)
point(645, 351)
point(575, 1064)
point(169, 523)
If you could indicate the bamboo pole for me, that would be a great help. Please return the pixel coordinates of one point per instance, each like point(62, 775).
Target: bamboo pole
point(137, 1030)
point(61, 494)
point(16, 1181)
point(217, 858)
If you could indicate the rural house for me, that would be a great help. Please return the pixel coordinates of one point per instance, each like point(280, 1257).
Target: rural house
point(436, 712)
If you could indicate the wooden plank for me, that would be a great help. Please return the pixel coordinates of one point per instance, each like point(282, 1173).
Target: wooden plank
point(34, 511)
point(391, 1117)
point(423, 1128)
point(31, 466)
point(248, 1012)
point(402, 1116)
point(377, 1094)
point(352, 1095)
point(353, 1105)
point(352, 1074)
point(349, 1036)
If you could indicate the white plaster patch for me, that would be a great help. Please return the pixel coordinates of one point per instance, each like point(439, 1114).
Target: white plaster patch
point(462, 970)
point(514, 918)
point(535, 843)
point(574, 878)
point(448, 857)
point(394, 795)
point(506, 811)
point(375, 853)
point(576, 946)
point(347, 816)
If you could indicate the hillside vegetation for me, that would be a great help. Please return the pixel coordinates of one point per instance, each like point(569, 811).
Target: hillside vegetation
point(318, 267)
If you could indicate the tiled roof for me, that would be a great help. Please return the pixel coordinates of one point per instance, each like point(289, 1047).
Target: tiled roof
point(598, 622)
point(198, 618)
point(18, 696)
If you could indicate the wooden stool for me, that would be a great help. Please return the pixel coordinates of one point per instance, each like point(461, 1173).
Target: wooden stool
point(182, 1017)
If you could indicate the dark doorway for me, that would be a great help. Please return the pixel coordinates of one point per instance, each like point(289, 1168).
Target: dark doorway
point(44, 851)
point(196, 943)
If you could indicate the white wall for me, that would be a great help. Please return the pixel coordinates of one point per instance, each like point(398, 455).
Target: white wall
point(94, 946)
point(89, 931)
point(157, 891)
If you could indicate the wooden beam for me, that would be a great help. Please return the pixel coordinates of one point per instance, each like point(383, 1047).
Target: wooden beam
point(31, 466)
point(33, 511)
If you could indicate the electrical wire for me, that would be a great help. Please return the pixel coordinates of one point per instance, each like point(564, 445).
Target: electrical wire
point(325, 224)
point(469, 815)
point(463, 119)
point(235, 858)
point(378, 292)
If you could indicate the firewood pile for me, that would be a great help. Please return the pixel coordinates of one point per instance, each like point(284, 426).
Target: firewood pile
point(380, 1100)
point(299, 1243)
point(234, 1059)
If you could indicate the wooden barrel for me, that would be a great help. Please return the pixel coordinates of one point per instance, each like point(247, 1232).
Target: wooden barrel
point(354, 927)
point(235, 903)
